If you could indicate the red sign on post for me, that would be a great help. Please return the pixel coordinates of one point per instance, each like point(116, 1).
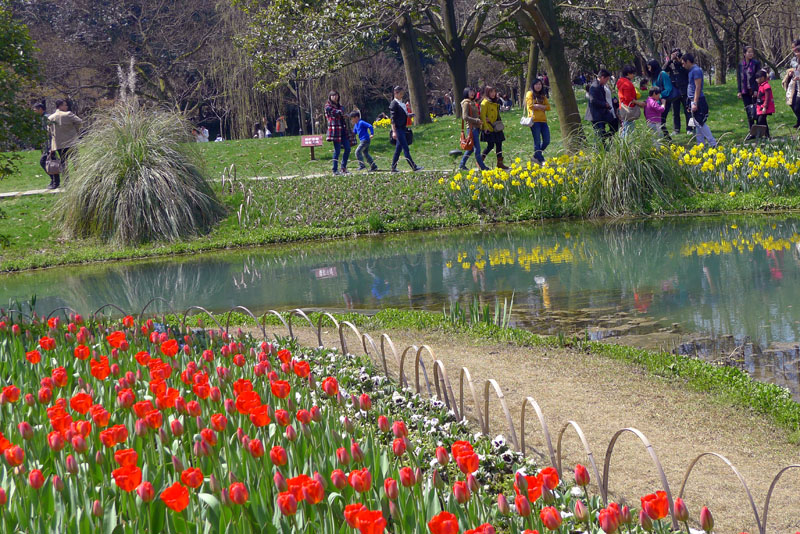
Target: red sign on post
point(311, 141)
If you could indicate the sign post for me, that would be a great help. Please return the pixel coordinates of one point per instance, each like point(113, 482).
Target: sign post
point(311, 141)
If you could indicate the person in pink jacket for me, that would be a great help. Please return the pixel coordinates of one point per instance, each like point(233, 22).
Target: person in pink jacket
point(765, 102)
point(653, 110)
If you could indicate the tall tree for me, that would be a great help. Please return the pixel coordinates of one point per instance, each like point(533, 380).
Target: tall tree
point(540, 20)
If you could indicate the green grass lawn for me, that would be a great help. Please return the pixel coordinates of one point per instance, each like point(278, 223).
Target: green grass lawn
point(283, 156)
point(268, 211)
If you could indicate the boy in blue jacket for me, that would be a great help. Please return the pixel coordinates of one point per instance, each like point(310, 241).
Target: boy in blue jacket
point(365, 132)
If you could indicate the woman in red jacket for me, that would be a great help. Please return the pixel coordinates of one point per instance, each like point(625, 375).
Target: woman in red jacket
point(765, 102)
point(626, 92)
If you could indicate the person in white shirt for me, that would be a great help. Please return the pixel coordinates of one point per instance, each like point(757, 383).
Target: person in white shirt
point(204, 132)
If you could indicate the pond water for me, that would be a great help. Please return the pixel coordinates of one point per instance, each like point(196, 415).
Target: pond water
point(722, 288)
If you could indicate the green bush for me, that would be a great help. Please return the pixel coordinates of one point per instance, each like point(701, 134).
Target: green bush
point(629, 176)
point(136, 178)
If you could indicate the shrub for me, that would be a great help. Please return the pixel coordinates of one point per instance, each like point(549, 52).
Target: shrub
point(627, 176)
point(135, 178)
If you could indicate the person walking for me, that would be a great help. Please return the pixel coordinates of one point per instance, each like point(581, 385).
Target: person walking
point(492, 126)
point(697, 102)
point(471, 114)
point(667, 93)
point(600, 112)
point(280, 126)
point(365, 133)
point(538, 105)
point(765, 102)
point(791, 83)
point(629, 106)
point(64, 128)
point(679, 77)
point(400, 132)
point(746, 83)
point(338, 133)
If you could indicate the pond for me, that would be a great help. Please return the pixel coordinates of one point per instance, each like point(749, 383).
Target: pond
point(723, 288)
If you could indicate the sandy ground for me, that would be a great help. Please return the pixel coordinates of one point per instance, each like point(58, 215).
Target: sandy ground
point(604, 396)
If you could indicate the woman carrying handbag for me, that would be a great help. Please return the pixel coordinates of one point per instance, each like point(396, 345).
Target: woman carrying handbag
point(470, 141)
point(492, 126)
point(537, 106)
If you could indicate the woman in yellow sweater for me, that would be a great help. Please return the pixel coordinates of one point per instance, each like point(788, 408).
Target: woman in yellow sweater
point(537, 104)
point(492, 125)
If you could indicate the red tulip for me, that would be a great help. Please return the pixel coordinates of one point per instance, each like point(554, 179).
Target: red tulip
point(47, 343)
point(338, 479)
point(355, 452)
point(522, 505)
point(303, 416)
point(581, 512)
point(442, 456)
point(25, 430)
point(399, 447)
point(407, 477)
point(330, 386)
point(3, 496)
point(260, 416)
point(351, 512)
point(125, 457)
point(36, 479)
point(14, 455)
point(608, 520)
point(383, 423)
point(97, 508)
point(256, 448)
point(461, 492)
point(280, 482)
point(176, 497)
point(645, 521)
point(287, 504)
point(706, 519)
point(444, 523)
point(656, 505)
point(169, 348)
point(468, 463)
point(485, 528)
point(301, 369)
point(219, 422)
point(145, 491)
point(391, 489)
point(192, 477)
point(365, 402)
point(399, 429)
point(502, 504)
point(278, 456)
point(115, 339)
point(127, 477)
point(549, 478)
point(280, 388)
point(681, 511)
point(550, 517)
point(238, 493)
point(342, 456)
point(370, 522)
point(581, 476)
point(81, 403)
point(313, 492)
point(360, 480)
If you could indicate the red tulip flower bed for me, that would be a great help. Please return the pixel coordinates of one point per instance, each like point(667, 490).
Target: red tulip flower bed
point(117, 426)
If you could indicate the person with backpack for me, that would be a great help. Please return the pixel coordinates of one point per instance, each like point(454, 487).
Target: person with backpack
point(338, 132)
point(492, 126)
point(400, 132)
point(667, 93)
point(471, 114)
point(765, 102)
point(747, 84)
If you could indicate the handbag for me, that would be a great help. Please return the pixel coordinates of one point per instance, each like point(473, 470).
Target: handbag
point(467, 142)
point(628, 114)
point(526, 120)
point(751, 112)
point(53, 164)
point(791, 91)
point(498, 125)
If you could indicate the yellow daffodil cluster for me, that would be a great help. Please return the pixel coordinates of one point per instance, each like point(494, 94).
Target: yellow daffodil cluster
point(523, 257)
point(382, 123)
point(557, 180)
point(740, 244)
point(728, 169)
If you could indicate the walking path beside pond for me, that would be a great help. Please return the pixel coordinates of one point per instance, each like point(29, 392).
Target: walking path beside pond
point(603, 396)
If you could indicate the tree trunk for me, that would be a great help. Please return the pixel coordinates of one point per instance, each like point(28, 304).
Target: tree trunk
point(417, 92)
point(458, 78)
point(539, 19)
point(533, 66)
point(720, 76)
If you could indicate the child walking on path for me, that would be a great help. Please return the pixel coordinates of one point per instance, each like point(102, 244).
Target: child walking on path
point(365, 133)
point(765, 102)
point(653, 111)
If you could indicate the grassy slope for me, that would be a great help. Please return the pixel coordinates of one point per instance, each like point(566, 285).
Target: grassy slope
point(328, 207)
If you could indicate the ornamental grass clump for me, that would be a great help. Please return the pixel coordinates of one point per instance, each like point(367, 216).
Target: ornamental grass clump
point(135, 178)
point(631, 176)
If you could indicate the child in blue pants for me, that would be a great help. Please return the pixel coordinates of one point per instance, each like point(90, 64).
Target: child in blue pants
point(365, 132)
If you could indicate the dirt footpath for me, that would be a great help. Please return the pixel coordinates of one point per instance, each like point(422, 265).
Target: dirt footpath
point(603, 396)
